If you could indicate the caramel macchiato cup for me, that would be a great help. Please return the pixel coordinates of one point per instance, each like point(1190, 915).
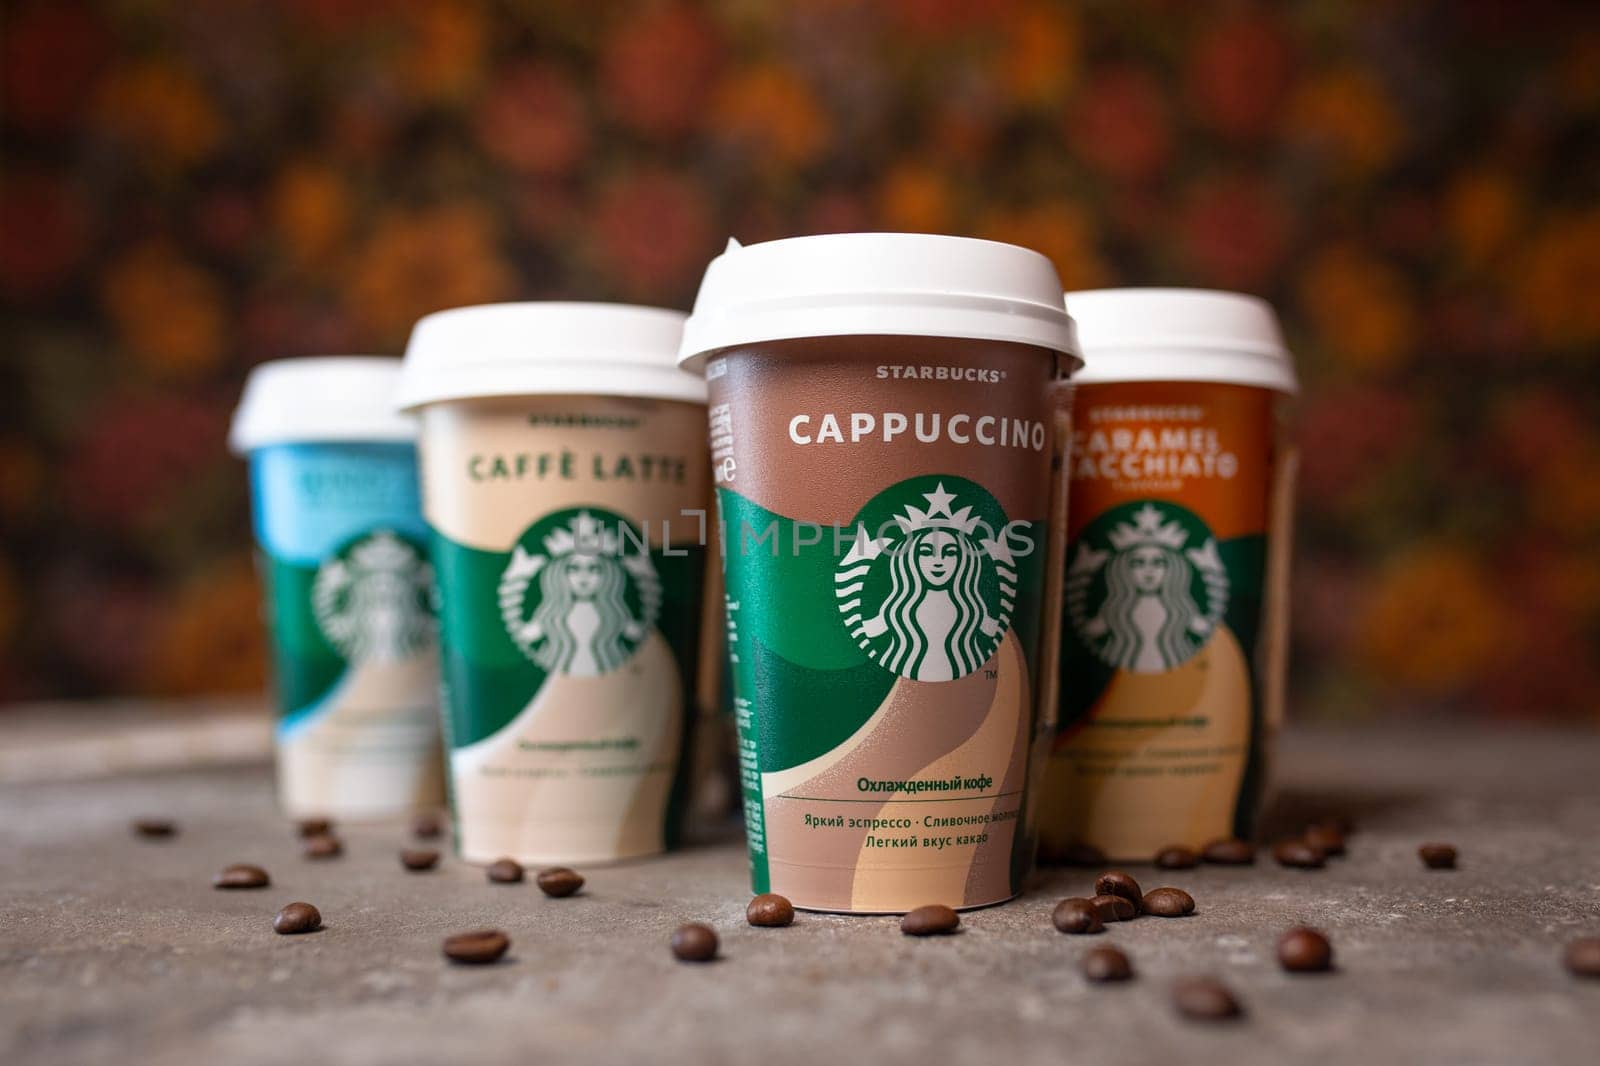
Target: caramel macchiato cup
point(881, 432)
point(1175, 589)
point(564, 478)
point(342, 552)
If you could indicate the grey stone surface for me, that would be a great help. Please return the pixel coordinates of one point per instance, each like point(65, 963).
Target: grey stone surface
point(115, 949)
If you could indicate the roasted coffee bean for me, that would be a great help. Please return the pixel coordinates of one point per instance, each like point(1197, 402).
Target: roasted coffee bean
point(931, 920)
point(1229, 852)
point(1342, 824)
point(325, 846)
point(1117, 883)
point(558, 881)
point(477, 948)
point(426, 825)
point(1114, 908)
point(1582, 957)
point(155, 827)
point(1080, 854)
point(297, 918)
point(769, 910)
point(314, 827)
point(1077, 915)
point(694, 942)
point(1299, 854)
point(1305, 950)
point(1177, 857)
point(1168, 902)
point(1204, 999)
point(1106, 964)
point(1438, 856)
point(241, 875)
point(419, 859)
point(504, 871)
point(1325, 838)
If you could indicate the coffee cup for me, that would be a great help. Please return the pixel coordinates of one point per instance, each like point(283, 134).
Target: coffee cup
point(1175, 588)
point(564, 478)
point(881, 433)
point(342, 552)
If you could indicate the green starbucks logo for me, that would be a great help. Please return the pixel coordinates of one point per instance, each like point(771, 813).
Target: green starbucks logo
point(372, 600)
point(1146, 586)
point(580, 592)
point(928, 585)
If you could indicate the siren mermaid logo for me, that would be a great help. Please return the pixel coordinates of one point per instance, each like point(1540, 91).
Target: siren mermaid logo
point(1146, 587)
point(373, 599)
point(927, 591)
point(574, 597)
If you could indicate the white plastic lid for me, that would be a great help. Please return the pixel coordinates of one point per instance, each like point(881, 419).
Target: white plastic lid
point(323, 398)
point(876, 284)
point(523, 349)
point(1180, 335)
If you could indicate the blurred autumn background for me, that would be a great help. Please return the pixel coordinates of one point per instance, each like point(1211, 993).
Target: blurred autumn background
point(190, 188)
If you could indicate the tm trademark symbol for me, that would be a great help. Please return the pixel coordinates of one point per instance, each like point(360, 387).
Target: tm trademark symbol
point(991, 674)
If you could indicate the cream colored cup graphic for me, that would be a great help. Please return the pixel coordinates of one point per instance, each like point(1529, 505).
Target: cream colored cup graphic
point(564, 479)
point(342, 550)
point(882, 427)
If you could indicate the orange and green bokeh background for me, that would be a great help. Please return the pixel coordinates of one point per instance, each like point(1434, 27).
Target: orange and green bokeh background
point(187, 189)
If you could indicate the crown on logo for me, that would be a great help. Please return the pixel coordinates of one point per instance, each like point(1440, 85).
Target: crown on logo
point(938, 515)
point(584, 535)
point(1147, 528)
point(384, 551)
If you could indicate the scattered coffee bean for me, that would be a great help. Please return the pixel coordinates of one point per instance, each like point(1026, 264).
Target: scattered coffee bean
point(1114, 908)
point(297, 918)
point(1438, 856)
point(931, 920)
point(1325, 838)
point(1081, 854)
point(1106, 964)
point(426, 825)
point(694, 942)
point(769, 910)
point(314, 827)
point(241, 875)
point(1304, 950)
point(1582, 956)
point(419, 859)
point(477, 948)
point(325, 846)
point(1077, 915)
point(1117, 883)
point(504, 871)
point(155, 828)
point(1204, 999)
point(1299, 854)
point(1342, 824)
point(1229, 852)
point(1168, 902)
point(1177, 857)
point(558, 881)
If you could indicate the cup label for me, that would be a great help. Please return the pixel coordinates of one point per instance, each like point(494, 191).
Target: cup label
point(572, 597)
point(567, 543)
point(373, 598)
point(884, 568)
point(929, 595)
point(349, 602)
point(1146, 587)
point(1161, 736)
